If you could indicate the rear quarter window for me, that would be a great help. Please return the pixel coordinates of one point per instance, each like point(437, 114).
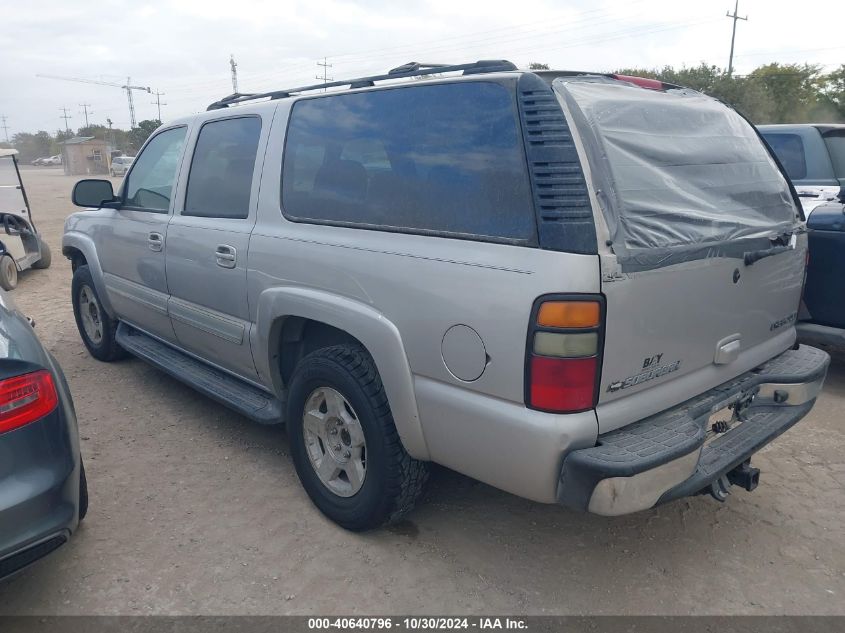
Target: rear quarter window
point(789, 148)
point(445, 159)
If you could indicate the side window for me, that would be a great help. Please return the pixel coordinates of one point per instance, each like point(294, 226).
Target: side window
point(790, 151)
point(444, 158)
point(150, 184)
point(220, 179)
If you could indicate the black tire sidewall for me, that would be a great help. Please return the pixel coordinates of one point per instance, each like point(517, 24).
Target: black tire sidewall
point(371, 505)
point(105, 350)
point(83, 491)
point(12, 282)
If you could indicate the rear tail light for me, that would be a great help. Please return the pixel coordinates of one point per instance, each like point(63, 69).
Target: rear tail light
point(564, 348)
point(26, 398)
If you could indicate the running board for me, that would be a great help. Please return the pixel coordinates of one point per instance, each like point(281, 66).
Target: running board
point(254, 403)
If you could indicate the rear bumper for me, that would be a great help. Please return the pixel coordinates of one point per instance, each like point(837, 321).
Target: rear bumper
point(669, 455)
point(39, 487)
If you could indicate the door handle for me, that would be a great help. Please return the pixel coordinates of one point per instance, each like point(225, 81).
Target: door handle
point(155, 241)
point(227, 256)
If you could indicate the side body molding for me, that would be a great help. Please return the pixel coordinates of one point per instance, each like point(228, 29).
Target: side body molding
point(84, 244)
point(379, 335)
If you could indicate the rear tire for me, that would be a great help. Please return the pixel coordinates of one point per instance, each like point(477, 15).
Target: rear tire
point(46, 257)
point(95, 326)
point(392, 480)
point(8, 273)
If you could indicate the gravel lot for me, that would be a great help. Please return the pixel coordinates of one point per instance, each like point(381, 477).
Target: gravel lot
point(196, 510)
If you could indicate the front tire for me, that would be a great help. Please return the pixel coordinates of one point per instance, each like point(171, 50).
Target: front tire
point(344, 442)
point(95, 326)
point(8, 273)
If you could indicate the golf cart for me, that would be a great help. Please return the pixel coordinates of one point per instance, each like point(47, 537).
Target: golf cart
point(21, 246)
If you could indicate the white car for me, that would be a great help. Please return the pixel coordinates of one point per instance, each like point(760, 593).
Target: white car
point(120, 165)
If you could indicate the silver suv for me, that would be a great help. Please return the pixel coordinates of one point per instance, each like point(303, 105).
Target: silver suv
point(579, 288)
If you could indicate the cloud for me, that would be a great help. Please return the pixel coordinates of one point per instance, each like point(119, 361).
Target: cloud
point(182, 48)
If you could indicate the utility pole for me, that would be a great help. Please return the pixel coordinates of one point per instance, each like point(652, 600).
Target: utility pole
point(85, 107)
point(234, 68)
point(5, 127)
point(65, 116)
point(158, 103)
point(734, 17)
point(128, 87)
point(325, 66)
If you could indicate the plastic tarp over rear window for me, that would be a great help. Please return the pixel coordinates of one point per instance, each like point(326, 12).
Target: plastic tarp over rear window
point(679, 175)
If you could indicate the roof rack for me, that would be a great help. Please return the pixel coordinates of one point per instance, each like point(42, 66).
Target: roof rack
point(411, 69)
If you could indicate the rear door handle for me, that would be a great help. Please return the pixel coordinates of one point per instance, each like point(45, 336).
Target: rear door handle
point(155, 241)
point(227, 256)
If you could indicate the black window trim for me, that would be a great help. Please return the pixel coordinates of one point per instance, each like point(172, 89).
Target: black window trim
point(509, 83)
point(251, 115)
point(124, 185)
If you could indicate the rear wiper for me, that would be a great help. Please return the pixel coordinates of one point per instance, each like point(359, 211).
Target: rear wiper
point(780, 244)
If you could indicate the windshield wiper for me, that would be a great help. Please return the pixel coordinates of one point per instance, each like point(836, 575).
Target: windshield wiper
point(781, 243)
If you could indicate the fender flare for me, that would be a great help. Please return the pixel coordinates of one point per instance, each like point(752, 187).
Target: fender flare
point(378, 334)
point(85, 245)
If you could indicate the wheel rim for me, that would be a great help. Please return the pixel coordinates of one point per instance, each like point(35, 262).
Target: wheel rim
point(10, 271)
point(334, 441)
point(89, 311)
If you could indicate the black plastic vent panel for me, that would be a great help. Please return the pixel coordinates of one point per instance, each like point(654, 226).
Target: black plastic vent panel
point(22, 559)
point(561, 201)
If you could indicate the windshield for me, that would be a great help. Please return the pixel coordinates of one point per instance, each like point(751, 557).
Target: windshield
point(679, 175)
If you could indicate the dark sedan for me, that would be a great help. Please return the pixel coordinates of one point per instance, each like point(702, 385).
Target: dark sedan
point(43, 492)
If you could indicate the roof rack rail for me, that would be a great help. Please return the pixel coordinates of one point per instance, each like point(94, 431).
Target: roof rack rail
point(411, 69)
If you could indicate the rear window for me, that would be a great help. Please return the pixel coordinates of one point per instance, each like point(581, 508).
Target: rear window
point(444, 159)
point(835, 142)
point(789, 149)
point(679, 175)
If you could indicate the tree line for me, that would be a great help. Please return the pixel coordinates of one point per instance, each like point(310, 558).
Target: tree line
point(772, 93)
point(40, 144)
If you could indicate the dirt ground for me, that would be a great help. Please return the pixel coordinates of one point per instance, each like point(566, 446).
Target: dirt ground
point(196, 510)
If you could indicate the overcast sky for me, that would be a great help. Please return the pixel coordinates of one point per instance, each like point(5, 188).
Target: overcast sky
point(182, 48)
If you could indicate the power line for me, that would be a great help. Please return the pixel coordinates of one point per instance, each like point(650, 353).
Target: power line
point(734, 17)
point(234, 68)
point(65, 116)
point(5, 127)
point(158, 103)
point(325, 77)
point(85, 107)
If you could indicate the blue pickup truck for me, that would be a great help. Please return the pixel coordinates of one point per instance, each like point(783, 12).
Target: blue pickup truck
point(813, 156)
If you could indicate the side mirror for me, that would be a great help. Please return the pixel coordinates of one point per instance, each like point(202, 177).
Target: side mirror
point(93, 193)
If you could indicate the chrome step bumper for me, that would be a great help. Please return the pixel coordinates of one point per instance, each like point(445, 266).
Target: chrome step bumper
point(667, 456)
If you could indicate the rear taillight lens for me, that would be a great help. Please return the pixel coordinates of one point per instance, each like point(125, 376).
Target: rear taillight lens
point(26, 398)
point(564, 348)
